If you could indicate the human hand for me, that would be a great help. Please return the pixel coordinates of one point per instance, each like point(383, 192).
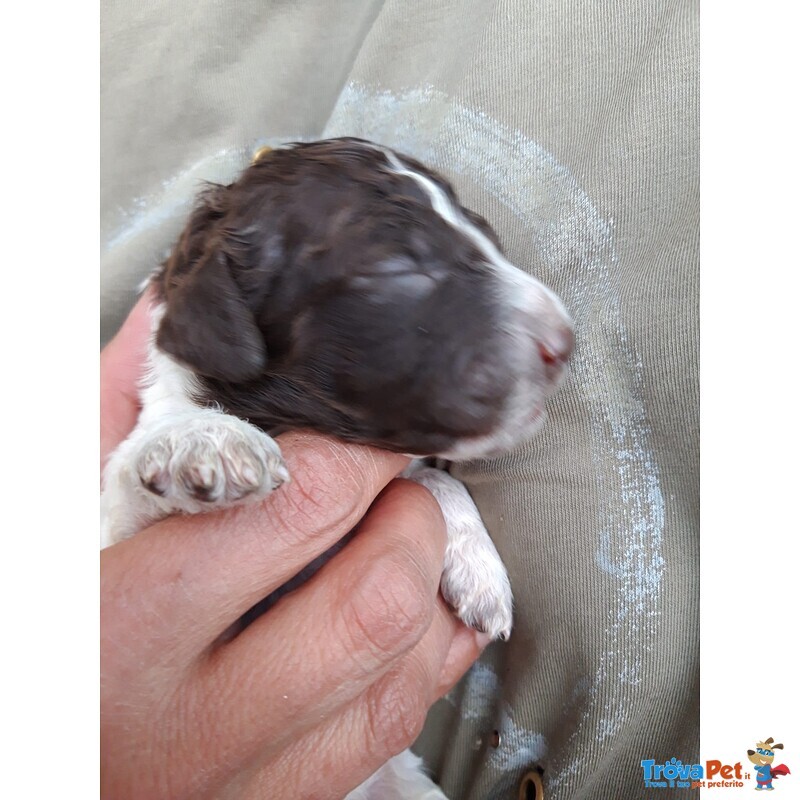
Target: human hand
point(316, 694)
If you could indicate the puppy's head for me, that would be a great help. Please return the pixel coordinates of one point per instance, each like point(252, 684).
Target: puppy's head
point(340, 286)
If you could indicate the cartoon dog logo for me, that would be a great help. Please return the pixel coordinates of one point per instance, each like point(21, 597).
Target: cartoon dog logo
point(762, 757)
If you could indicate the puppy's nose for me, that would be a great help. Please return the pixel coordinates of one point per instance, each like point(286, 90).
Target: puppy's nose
point(549, 326)
point(556, 346)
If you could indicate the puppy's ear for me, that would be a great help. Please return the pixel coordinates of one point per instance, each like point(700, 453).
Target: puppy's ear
point(207, 324)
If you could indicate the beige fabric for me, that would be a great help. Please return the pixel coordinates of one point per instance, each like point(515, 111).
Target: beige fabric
point(573, 127)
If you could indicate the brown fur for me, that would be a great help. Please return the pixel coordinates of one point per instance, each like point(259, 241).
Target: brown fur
point(320, 290)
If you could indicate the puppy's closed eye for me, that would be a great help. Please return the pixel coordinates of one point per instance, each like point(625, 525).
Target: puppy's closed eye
point(399, 275)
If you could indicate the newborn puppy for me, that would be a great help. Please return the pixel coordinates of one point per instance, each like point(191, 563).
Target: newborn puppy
point(339, 286)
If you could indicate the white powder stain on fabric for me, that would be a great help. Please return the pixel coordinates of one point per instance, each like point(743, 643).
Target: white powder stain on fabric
point(478, 693)
point(478, 699)
point(173, 199)
point(519, 747)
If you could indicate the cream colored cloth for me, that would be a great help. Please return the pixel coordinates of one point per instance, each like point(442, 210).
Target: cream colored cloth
point(573, 127)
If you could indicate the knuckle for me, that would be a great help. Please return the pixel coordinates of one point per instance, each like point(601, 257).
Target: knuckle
point(396, 710)
point(391, 607)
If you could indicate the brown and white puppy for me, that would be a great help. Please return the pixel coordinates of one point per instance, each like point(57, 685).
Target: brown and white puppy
point(340, 286)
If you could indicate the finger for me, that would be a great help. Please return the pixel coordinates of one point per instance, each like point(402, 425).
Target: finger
point(465, 648)
point(122, 362)
point(386, 719)
point(324, 644)
point(210, 569)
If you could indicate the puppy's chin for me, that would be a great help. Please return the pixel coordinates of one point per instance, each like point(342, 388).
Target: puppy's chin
point(499, 441)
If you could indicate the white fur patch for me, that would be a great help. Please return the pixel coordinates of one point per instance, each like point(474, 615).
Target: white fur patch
point(474, 581)
point(523, 288)
point(400, 778)
point(181, 457)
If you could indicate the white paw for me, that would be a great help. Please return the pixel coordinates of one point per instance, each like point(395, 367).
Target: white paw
point(476, 585)
point(208, 461)
point(474, 581)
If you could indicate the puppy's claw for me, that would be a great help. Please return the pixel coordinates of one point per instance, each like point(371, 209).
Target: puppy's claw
point(488, 611)
point(280, 474)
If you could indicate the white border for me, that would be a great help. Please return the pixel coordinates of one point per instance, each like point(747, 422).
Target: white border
point(750, 255)
point(49, 330)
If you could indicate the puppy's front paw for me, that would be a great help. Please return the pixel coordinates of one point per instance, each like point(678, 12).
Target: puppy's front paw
point(474, 581)
point(209, 461)
point(476, 585)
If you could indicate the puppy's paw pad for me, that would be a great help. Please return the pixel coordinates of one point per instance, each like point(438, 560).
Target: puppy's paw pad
point(210, 461)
